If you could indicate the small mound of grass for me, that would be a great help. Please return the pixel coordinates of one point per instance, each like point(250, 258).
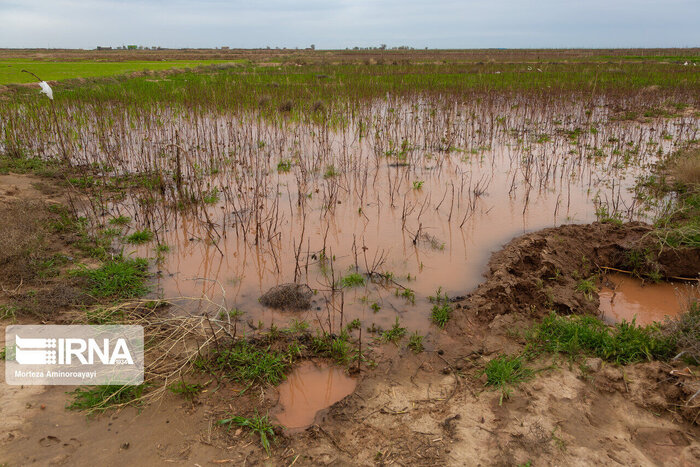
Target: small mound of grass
point(415, 342)
point(441, 314)
point(352, 280)
point(623, 343)
point(442, 309)
point(395, 333)
point(685, 332)
point(117, 278)
point(587, 287)
point(256, 424)
point(504, 372)
point(244, 362)
point(100, 398)
point(139, 237)
point(336, 347)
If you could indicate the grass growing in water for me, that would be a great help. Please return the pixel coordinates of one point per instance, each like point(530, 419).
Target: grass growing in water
point(352, 280)
point(504, 372)
point(415, 342)
point(117, 278)
point(441, 314)
point(120, 220)
point(442, 309)
point(575, 335)
point(139, 237)
point(256, 424)
point(395, 333)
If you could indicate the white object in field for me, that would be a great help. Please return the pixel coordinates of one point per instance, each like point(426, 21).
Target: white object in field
point(685, 64)
point(46, 89)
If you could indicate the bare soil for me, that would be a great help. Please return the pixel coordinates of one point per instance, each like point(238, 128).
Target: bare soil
point(413, 409)
point(340, 56)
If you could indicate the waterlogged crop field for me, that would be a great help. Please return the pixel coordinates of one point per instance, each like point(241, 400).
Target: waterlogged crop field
point(378, 186)
point(382, 189)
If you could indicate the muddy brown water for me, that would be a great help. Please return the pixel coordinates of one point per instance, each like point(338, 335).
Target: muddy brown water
point(309, 388)
point(627, 298)
point(425, 197)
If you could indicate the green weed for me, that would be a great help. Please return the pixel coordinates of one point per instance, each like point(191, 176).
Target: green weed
point(117, 278)
point(246, 363)
point(188, 390)
point(415, 342)
point(100, 398)
point(504, 372)
point(623, 343)
point(394, 334)
point(256, 424)
point(353, 279)
point(139, 237)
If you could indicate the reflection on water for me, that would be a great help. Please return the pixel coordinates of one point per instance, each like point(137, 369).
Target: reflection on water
point(422, 192)
point(308, 389)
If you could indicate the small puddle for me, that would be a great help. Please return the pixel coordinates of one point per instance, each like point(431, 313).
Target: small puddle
point(310, 388)
point(631, 297)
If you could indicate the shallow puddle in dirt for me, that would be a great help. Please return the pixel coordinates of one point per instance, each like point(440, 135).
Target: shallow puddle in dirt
point(309, 388)
point(624, 297)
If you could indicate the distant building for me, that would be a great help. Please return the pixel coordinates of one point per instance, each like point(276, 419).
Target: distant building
point(132, 47)
point(103, 48)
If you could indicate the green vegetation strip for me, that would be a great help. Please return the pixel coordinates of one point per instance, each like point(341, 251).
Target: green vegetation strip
point(11, 70)
point(623, 343)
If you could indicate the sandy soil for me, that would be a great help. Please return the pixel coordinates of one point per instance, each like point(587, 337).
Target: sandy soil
point(425, 409)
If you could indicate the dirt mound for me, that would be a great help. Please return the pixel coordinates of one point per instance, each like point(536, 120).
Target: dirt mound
point(289, 296)
point(544, 270)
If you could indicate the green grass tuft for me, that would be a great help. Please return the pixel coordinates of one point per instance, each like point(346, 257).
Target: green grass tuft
point(256, 424)
point(117, 278)
point(139, 237)
point(101, 398)
point(352, 280)
point(504, 372)
point(244, 362)
point(623, 343)
point(395, 333)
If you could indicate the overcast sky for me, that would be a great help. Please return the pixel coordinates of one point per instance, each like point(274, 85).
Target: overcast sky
point(348, 23)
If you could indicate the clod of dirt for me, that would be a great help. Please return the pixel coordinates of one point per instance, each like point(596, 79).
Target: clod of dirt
point(289, 296)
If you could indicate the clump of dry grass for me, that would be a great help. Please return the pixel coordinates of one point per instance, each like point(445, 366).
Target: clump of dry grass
point(288, 296)
point(686, 169)
point(685, 329)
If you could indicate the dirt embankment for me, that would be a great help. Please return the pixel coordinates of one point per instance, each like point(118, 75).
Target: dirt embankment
point(430, 408)
point(539, 272)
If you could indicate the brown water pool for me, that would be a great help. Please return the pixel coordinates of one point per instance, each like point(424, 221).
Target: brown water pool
point(625, 297)
point(310, 388)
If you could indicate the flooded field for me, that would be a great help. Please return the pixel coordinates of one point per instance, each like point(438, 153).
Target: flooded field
point(363, 262)
point(395, 202)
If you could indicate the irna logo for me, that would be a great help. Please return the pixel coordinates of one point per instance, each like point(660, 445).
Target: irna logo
point(68, 351)
point(74, 354)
